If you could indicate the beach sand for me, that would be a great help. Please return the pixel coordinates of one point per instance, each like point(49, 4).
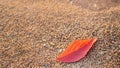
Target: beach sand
point(34, 32)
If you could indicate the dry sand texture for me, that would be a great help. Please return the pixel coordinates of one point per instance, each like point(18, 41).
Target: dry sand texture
point(34, 32)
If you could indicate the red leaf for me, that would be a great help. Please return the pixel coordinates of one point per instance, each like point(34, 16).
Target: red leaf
point(77, 50)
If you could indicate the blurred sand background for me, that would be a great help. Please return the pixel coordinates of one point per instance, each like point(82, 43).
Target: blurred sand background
point(34, 32)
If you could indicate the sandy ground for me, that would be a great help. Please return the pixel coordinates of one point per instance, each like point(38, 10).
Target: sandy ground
point(96, 5)
point(34, 32)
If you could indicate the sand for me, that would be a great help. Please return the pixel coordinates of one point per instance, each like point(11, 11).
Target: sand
point(34, 32)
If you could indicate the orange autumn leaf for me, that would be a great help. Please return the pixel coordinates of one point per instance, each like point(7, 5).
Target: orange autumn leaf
point(77, 50)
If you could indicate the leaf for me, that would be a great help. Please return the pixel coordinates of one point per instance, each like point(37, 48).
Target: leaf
point(77, 50)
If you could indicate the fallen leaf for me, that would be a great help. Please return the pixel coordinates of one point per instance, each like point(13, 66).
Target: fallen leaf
point(77, 50)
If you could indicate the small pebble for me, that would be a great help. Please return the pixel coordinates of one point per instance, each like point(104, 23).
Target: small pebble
point(60, 50)
point(44, 44)
point(52, 44)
